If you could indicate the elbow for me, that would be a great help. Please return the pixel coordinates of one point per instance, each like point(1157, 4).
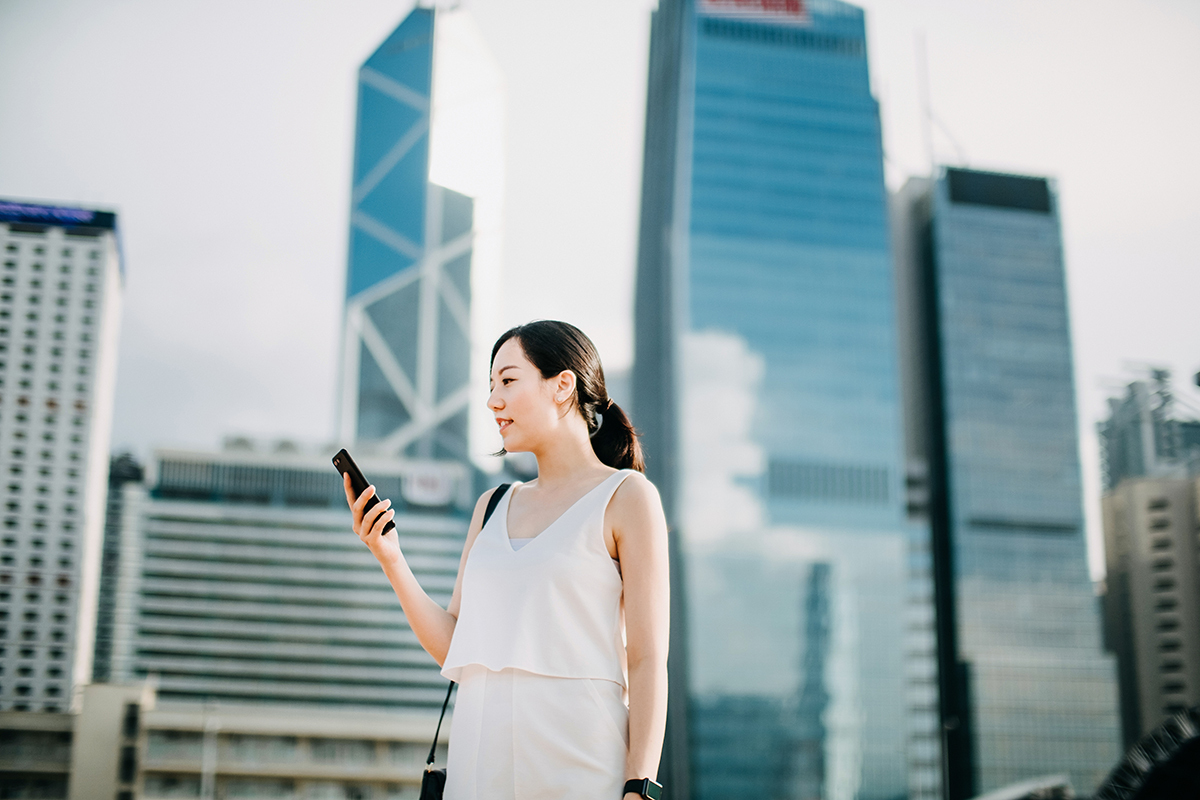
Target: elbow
point(652, 659)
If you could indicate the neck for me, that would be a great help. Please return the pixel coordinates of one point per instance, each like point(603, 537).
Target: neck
point(567, 457)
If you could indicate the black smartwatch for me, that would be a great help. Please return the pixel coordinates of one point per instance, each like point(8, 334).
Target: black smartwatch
point(644, 787)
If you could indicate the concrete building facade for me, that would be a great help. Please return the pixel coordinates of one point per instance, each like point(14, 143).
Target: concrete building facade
point(1152, 598)
point(240, 580)
point(124, 742)
point(60, 297)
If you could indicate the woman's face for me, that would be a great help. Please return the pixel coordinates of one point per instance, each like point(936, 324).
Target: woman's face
point(522, 401)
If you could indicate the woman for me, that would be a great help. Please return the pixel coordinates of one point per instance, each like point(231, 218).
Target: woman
point(559, 645)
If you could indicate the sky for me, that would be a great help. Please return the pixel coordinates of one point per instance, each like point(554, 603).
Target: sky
point(222, 133)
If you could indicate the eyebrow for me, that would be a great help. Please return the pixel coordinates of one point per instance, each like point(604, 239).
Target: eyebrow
point(501, 372)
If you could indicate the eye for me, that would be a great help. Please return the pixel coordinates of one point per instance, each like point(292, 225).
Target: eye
point(506, 380)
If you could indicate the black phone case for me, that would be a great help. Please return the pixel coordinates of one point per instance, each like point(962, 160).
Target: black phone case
point(358, 484)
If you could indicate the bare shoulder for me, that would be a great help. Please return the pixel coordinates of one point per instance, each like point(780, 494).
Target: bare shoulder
point(481, 503)
point(636, 501)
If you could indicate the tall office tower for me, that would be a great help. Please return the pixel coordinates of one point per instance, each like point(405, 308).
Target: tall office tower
point(424, 242)
point(1026, 689)
point(240, 580)
point(60, 295)
point(1145, 437)
point(767, 387)
point(1152, 598)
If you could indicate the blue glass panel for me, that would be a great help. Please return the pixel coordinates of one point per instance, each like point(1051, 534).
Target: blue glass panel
point(407, 55)
point(380, 412)
point(398, 201)
point(382, 122)
point(371, 261)
point(454, 353)
point(397, 316)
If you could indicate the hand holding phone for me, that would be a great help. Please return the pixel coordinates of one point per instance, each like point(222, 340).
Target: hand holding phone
point(358, 483)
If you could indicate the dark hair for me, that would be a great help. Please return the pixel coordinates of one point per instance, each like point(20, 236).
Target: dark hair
point(553, 346)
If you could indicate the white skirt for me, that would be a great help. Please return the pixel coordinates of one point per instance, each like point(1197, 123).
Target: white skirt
point(517, 735)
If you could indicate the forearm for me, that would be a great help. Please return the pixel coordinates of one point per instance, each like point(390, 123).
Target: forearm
point(647, 717)
point(432, 624)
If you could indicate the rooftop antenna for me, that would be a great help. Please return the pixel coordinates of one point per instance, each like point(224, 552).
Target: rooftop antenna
point(928, 119)
point(923, 94)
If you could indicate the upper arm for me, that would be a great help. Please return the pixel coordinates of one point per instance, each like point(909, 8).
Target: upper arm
point(640, 532)
point(472, 532)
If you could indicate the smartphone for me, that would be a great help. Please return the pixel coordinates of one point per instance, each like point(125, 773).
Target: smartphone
point(358, 484)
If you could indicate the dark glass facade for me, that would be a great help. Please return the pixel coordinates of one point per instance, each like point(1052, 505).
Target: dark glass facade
point(1027, 691)
point(766, 382)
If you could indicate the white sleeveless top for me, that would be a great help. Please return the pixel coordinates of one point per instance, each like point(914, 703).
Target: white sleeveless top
point(553, 606)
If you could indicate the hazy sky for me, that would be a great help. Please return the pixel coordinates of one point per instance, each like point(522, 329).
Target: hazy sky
point(223, 133)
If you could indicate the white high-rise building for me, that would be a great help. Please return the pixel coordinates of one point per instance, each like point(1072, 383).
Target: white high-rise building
point(60, 292)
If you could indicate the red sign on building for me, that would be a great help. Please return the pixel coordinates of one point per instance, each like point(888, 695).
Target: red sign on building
point(776, 10)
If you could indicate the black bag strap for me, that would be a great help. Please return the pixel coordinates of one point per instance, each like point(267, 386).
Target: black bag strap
point(493, 501)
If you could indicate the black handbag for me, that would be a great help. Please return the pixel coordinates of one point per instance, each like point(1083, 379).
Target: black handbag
point(433, 781)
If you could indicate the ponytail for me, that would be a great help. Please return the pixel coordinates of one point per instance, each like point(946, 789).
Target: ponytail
point(615, 440)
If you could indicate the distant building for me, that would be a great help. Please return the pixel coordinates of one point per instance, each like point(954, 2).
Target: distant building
point(1152, 598)
point(122, 469)
point(125, 742)
point(423, 274)
point(767, 385)
point(60, 297)
point(1026, 688)
point(240, 581)
point(1144, 437)
point(1152, 583)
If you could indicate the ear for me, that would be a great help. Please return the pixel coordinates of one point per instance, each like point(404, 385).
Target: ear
point(564, 386)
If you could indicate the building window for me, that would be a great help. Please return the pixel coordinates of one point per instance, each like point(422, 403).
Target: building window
point(129, 726)
point(128, 768)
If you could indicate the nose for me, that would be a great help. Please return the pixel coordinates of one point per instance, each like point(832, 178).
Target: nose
point(493, 402)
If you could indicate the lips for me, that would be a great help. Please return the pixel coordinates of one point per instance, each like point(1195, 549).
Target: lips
point(503, 423)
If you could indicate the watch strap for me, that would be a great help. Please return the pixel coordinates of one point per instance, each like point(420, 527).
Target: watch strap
point(644, 787)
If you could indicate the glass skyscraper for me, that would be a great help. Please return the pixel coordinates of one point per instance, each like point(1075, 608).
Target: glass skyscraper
point(423, 221)
point(766, 383)
point(1026, 689)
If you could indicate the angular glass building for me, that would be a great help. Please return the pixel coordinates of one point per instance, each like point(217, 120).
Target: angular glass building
point(423, 239)
point(1026, 689)
point(766, 384)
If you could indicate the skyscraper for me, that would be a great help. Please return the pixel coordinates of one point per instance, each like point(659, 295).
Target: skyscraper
point(424, 240)
point(1026, 689)
point(767, 387)
point(59, 313)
